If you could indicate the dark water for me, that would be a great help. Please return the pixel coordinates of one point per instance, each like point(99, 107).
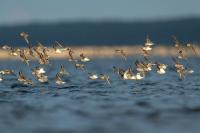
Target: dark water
point(157, 104)
point(105, 32)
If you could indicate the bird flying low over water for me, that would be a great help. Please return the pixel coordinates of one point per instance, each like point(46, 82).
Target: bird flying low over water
point(6, 47)
point(180, 49)
point(39, 72)
point(58, 48)
point(25, 36)
point(23, 80)
point(105, 78)
point(12, 51)
point(119, 71)
point(24, 57)
point(79, 66)
point(1, 78)
point(83, 58)
point(148, 42)
point(128, 74)
point(189, 45)
point(58, 79)
point(161, 68)
point(182, 71)
point(143, 67)
point(147, 45)
point(63, 71)
point(7, 72)
point(92, 76)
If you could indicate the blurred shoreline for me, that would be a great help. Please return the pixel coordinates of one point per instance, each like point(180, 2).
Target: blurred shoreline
point(109, 51)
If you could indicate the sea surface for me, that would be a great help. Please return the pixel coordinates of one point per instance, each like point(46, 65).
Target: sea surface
point(156, 104)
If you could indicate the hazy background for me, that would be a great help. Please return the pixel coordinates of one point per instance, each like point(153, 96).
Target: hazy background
point(99, 22)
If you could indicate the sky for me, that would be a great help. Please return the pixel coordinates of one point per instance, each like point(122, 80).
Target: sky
point(29, 11)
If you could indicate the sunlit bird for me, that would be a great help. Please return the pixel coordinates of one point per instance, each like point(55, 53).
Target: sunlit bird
point(63, 71)
point(83, 58)
point(161, 68)
point(105, 78)
point(23, 80)
point(58, 79)
point(148, 42)
point(25, 36)
point(24, 57)
point(7, 72)
point(6, 47)
point(1, 78)
point(58, 48)
point(189, 45)
point(79, 66)
point(92, 76)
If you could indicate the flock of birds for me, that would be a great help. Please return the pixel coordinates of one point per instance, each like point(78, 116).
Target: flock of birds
point(142, 67)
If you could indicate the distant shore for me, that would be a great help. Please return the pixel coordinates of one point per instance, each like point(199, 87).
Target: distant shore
point(109, 51)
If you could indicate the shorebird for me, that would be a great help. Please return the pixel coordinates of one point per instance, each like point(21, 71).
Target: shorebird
point(119, 71)
point(42, 78)
point(39, 47)
point(7, 72)
point(147, 48)
point(128, 75)
point(14, 51)
point(145, 53)
point(1, 78)
point(143, 67)
point(58, 48)
point(58, 79)
point(63, 71)
point(140, 76)
point(30, 50)
point(148, 42)
point(161, 68)
point(105, 78)
point(70, 52)
point(139, 66)
point(147, 45)
point(83, 58)
point(39, 72)
point(42, 59)
point(177, 43)
point(122, 53)
point(6, 47)
point(181, 54)
point(181, 70)
point(189, 45)
point(24, 57)
point(79, 66)
point(92, 76)
point(23, 80)
point(179, 48)
point(45, 50)
point(25, 36)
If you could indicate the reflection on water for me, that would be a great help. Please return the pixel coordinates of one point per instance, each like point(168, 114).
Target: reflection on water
point(159, 103)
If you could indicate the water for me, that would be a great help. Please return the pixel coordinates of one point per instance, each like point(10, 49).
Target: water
point(156, 104)
point(105, 33)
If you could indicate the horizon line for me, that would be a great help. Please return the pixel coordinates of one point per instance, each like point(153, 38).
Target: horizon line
point(106, 20)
